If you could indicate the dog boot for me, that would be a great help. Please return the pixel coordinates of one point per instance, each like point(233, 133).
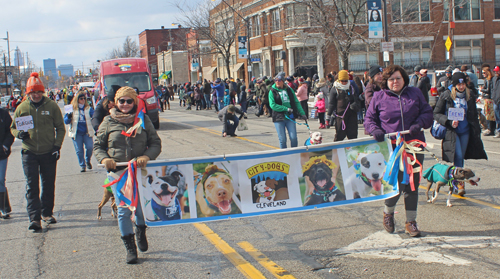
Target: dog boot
point(389, 222)
point(412, 229)
point(142, 241)
point(129, 242)
point(3, 210)
point(461, 189)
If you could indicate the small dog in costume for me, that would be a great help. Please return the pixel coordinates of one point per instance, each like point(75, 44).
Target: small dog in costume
point(442, 174)
point(319, 170)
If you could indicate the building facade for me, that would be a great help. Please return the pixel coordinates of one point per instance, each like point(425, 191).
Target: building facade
point(173, 67)
point(66, 70)
point(49, 68)
point(284, 36)
point(153, 41)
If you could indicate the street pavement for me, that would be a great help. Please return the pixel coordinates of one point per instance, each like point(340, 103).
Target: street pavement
point(342, 242)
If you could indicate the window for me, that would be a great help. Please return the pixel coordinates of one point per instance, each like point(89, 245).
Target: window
point(289, 16)
point(467, 51)
point(152, 50)
point(264, 23)
point(361, 56)
point(410, 10)
point(305, 56)
point(497, 10)
point(497, 50)
point(278, 62)
point(275, 20)
point(153, 69)
point(409, 54)
point(464, 9)
point(254, 26)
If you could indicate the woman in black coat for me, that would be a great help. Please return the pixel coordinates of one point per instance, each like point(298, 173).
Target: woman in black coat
point(6, 140)
point(460, 135)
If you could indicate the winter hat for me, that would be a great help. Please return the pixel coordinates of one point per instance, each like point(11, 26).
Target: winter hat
point(464, 68)
point(496, 69)
point(417, 69)
point(301, 80)
point(374, 70)
point(455, 71)
point(458, 78)
point(231, 108)
point(279, 77)
point(343, 75)
point(218, 80)
point(449, 69)
point(320, 95)
point(289, 78)
point(126, 92)
point(423, 71)
point(34, 84)
point(112, 92)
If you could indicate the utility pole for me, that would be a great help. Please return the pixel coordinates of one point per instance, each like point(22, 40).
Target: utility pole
point(451, 26)
point(5, 74)
point(8, 47)
point(386, 28)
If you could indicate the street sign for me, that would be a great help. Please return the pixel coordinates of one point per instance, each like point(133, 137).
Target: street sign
point(375, 27)
point(386, 56)
point(448, 43)
point(387, 46)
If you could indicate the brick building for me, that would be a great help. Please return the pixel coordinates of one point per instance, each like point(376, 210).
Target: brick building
point(153, 41)
point(285, 37)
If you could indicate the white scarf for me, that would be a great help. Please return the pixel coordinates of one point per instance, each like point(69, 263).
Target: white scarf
point(339, 85)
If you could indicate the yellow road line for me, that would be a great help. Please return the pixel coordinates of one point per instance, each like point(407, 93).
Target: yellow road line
point(275, 269)
point(236, 259)
point(470, 199)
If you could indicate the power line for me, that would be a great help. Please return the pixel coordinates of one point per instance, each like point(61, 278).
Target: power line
point(70, 41)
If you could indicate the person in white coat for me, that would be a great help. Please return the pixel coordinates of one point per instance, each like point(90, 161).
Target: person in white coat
point(80, 129)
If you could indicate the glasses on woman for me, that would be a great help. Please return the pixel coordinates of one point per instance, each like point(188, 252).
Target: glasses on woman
point(395, 79)
point(81, 98)
point(128, 101)
point(344, 81)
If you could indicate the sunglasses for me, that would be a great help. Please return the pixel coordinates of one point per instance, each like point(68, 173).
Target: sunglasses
point(344, 81)
point(81, 98)
point(128, 101)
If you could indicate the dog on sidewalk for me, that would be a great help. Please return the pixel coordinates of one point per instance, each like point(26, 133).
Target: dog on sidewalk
point(442, 174)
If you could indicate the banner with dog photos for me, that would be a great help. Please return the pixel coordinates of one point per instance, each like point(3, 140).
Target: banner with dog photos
point(278, 181)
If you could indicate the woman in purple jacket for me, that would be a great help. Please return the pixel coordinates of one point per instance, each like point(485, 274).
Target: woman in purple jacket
point(398, 107)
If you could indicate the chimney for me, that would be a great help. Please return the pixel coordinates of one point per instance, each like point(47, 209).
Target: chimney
point(163, 27)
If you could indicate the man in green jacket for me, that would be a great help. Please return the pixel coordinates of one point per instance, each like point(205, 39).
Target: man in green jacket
point(42, 141)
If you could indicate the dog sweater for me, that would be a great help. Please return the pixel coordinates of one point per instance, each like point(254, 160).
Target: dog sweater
point(438, 173)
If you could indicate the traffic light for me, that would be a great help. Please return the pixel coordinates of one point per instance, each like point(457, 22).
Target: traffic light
point(59, 73)
point(41, 73)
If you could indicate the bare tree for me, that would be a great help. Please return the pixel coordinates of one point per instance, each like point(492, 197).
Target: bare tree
point(221, 24)
point(130, 48)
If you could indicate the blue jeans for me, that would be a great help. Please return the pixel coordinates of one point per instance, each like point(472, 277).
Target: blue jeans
point(231, 128)
point(124, 222)
point(292, 132)
point(207, 100)
point(497, 115)
point(79, 142)
point(220, 101)
point(460, 147)
point(3, 171)
point(243, 106)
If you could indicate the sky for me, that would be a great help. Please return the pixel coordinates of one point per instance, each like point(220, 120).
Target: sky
point(80, 32)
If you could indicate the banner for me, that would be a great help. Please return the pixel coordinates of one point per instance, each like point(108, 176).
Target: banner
point(242, 47)
point(375, 27)
point(244, 185)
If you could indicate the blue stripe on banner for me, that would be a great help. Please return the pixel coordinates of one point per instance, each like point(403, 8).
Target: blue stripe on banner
point(298, 174)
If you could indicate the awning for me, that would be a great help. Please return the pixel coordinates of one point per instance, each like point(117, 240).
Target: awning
point(237, 67)
point(166, 75)
point(212, 70)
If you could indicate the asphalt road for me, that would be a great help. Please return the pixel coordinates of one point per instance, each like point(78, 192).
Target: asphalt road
point(342, 242)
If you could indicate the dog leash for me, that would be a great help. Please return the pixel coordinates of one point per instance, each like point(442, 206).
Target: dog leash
point(307, 124)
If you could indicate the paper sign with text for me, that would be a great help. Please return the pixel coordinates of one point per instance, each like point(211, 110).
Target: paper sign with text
point(24, 123)
point(68, 109)
point(456, 114)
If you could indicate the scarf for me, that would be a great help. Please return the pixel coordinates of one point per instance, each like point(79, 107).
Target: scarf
point(122, 117)
point(339, 85)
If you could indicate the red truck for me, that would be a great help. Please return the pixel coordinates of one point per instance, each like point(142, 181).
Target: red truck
point(133, 72)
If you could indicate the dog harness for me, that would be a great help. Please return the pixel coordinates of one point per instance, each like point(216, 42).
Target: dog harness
point(360, 174)
point(325, 194)
point(163, 213)
point(267, 197)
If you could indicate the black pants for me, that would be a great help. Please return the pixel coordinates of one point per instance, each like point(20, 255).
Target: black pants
point(36, 167)
point(411, 197)
point(351, 126)
point(305, 107)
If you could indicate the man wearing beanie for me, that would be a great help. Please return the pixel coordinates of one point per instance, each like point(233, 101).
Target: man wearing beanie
point(415, 77)
point(40, 150)
point(445, 81)
point(226, 116)
point(375, 77)
point(103, 107)
point(424, 84)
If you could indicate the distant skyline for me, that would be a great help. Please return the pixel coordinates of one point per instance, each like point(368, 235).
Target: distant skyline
point(79, 32)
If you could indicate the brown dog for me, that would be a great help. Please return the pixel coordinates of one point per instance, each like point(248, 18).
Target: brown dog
point(105, 198)
point(441, 175)
point(269, 186)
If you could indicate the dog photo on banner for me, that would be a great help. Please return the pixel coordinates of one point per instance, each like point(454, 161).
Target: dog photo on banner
point(321, 180)
point(269, 184)
point(217, 190)
point(363, 168)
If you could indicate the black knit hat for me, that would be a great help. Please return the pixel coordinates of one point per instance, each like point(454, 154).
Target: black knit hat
point(112, 92)
point(375, 70)
point(458, 78)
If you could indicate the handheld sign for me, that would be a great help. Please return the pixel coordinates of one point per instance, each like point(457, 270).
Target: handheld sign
point(68, 109)
point(24, 123)
point(456, 114)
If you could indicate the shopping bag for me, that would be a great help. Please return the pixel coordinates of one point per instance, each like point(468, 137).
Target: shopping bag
point(242, 126)
point(313, 114)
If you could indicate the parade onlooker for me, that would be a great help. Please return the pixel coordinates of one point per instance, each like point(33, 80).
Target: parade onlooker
point(112, 146)
point(322, 86)
point(375, 78)
point(398, 107)
point(263, 98)
point(198, 96)
point(489, 109)
point(495, 96)
point(227, 98)
point(463, 138)
point(207, 91)
point(230, 121)
point(6, 139)
point(80, 129)
point(344, 105)
point(40, 150)
point(472, 77)
point(219, 87)
point(169, 92)
point(424, 84)
point(303, 95)
point(415, 77)
point(242, 98)
point(103, 107)
point(285, 109)
point(321, 109)
point(445, 81)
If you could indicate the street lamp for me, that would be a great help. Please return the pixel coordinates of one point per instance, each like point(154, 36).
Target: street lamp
point(247, 24)
point(8, 52)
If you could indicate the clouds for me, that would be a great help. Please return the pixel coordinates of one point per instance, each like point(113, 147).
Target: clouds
point(50, 28)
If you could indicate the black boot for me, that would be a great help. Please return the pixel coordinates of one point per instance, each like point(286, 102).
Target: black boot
point(3, 209)
point(142, 241)
point(8, 209)
point(129, 242)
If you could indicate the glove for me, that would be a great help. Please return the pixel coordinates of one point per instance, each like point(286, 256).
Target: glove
point(56, 152)
point(303, 117)
point(142, 161)
point(109, 164)
point(290, 110)
point(23, 135)
point(379, 135)
point(415, 130)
